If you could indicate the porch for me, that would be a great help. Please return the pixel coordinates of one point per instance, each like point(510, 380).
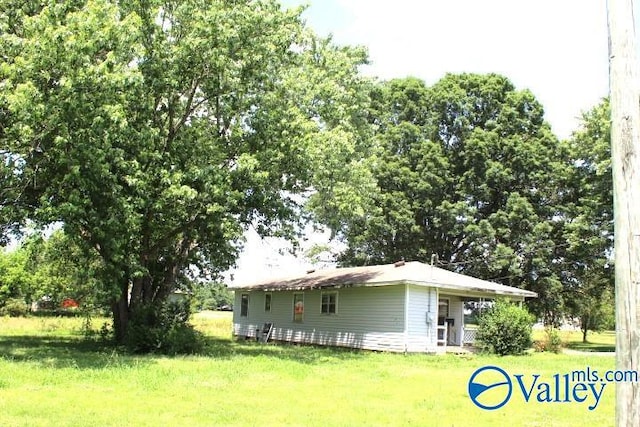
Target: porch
point(468, 333)
point(453, 333)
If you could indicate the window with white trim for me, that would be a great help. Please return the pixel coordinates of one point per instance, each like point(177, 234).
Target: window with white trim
point(267, 302)
point(329, 303)
point(244, 305)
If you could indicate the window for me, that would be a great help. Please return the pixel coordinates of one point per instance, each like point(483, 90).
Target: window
point(329, 302)
point(267, 302)
point(443, 310)
point(298, 307)
point(244, 305)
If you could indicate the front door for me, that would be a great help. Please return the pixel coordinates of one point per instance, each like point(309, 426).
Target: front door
point(443, 314)
point(444, 317)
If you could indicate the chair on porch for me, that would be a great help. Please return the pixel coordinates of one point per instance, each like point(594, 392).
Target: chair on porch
point(441, 337)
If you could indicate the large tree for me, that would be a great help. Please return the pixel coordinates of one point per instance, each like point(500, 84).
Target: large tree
point(156, 131)
point(587, 264)
point(469, 171)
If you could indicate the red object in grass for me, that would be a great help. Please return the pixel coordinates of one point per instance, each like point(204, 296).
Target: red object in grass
point(69, 303)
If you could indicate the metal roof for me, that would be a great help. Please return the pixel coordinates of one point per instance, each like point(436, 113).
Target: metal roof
point(413, 272)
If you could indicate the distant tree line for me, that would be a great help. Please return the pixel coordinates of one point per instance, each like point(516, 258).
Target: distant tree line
point(49, 274)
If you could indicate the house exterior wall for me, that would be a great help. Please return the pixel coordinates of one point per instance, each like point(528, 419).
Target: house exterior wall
point(422, 318)
point(371, 318)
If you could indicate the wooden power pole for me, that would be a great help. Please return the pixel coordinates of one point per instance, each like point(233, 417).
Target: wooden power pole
point(625, 155)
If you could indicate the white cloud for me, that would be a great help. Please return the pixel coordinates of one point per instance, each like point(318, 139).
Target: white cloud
point(267, 258)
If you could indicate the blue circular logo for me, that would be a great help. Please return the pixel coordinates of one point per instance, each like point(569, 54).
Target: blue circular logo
point(490, 387)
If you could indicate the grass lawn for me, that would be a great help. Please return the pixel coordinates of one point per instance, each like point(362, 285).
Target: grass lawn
point(50, 376)
point(596, 341)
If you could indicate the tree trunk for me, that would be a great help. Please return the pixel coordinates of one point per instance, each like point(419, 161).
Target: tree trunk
point(120, 310)
point(585, 328)
point(625, 160)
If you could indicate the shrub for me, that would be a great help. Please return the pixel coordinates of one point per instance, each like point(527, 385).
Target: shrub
point(87, 326)
point(551, 342)
point(105, 333)
point(505, 329)
point(163, 328)
point(14, 307)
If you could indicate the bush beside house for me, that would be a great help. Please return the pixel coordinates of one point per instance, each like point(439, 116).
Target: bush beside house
point(505, 329)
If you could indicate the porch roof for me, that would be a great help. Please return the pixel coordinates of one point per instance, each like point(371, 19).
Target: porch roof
point(416, 273)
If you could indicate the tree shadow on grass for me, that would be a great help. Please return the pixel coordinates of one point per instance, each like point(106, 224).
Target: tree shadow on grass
point(74, 352)
point(591, 347)
point(302, 353)
point(65, 352)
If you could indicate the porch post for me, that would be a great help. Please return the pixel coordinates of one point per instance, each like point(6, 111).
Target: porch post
point(461, 328)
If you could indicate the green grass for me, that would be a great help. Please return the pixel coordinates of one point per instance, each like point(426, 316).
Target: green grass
point(596, 341)
point(51, 376)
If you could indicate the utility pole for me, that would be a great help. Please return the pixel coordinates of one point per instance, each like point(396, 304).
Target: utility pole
point(625, 156)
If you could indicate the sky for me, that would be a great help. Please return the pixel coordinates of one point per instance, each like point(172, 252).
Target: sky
point(557, 49)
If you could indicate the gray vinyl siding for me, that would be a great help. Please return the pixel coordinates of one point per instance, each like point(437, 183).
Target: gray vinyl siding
point(366, 317)
point(421, 335)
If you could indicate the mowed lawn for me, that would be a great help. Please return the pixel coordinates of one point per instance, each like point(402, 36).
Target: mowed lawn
point(51, 376)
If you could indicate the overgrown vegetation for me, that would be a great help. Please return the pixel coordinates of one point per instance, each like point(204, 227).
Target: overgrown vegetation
point(552, 341)
point(14, 307)
point(211, 296)
point(505, 329)
point(163, 329)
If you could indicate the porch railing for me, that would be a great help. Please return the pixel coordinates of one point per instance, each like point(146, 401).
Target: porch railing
point(441, 336)
point(469, 335)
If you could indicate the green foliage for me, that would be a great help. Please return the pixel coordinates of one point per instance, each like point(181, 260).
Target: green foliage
point(106, 333)
point(552, 341)
point(157, 131)
point(14, 307)
point(505, 329)
point(596, 310)
point(49, 270)
point(587, 260)
point(15, 278)
point(62, 269)
point(163, 329)
point(466, 169)
point(210, 296)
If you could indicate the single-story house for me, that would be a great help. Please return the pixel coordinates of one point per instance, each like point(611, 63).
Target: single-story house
point(401, 307)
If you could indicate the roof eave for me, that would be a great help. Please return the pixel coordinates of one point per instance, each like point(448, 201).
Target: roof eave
point(476, 290)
